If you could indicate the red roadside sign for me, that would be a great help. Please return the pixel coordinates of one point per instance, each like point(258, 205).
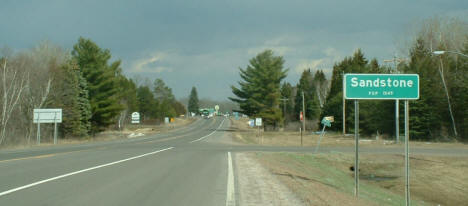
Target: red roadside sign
point(301, 116)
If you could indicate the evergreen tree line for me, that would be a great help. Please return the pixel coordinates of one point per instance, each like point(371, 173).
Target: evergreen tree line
point(262, 92)
point(429, 116)
point(92, 91)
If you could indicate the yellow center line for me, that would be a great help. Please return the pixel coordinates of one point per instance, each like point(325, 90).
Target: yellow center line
point(47, 155)
point(33, 157)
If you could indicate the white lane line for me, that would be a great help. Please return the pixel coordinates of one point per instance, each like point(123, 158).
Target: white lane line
point(77, 172)
point(201, 138)
point(230, 196)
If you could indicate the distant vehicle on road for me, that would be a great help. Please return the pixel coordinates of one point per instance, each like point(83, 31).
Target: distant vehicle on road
point(205, 113)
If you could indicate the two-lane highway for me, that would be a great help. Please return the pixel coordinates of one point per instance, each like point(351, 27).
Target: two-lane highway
point(164, 169)
point(188, 166)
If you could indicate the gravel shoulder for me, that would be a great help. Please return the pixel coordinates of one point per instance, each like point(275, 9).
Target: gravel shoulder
point(257, 186)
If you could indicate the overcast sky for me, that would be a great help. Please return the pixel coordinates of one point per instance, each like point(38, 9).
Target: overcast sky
point(203, 43)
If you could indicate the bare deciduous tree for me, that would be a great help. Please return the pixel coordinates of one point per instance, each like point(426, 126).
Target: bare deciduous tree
point(13, 85)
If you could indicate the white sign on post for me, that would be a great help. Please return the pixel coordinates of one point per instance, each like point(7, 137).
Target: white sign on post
point(135, 118)
point(251, 123)
point(47, 116)
point(258, 122)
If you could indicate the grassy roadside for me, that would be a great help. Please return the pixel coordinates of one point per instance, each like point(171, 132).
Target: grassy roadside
point(246, 135)
point(47, 140)
point(326, 179)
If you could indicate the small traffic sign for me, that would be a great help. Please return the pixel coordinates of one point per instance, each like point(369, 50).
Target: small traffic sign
point(258, 122)
point(326, 122)
point(135, 118)
point(301, 116)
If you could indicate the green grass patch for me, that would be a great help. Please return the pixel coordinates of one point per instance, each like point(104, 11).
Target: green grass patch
point(333, 170)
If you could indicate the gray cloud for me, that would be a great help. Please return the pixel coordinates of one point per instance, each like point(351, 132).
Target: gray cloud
point(203, 43)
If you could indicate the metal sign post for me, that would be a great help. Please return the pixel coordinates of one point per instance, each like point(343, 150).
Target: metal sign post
point(258, 123)
point(300, 131)
point(38, 137)
point(407, 191)
point(55, 128)
point(303, 113)
point(326, 121)
point(344, 108)
point(356, 137)
point(397, 121)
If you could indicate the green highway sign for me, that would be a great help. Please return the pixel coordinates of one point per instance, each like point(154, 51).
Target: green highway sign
point(326, 122)
point(381, 86)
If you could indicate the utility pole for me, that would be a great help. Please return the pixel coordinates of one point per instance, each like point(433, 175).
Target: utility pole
point(397, 102)
point(303, 113)
point(441, 72)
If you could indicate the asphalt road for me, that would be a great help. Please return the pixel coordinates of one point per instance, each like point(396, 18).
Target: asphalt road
point(188, 166)
point(175, 168)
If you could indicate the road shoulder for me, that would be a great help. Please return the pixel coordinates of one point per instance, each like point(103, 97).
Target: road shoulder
point(257, 186)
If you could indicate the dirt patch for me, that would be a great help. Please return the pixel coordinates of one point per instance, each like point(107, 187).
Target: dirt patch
point(257, 186)
point(327, 179)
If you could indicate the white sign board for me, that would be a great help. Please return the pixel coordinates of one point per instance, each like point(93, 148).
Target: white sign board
point(135, 118)
point(166, 120)
point(251, 123)
point(258, 122)
point(47, 116)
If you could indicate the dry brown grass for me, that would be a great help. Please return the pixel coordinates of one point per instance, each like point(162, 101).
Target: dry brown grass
point(325, 179)
point(245, 134)
point(109, 134)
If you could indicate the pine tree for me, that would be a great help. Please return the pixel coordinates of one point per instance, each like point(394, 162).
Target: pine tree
point(102, 82)
point(259, 93)
point(193, 101)
point(128, 94)
point(147, 104)
point(165, 98)
point(312, 105)
point(355, 64)
point(427, 113)
point(83, 104)
point(70, 94)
